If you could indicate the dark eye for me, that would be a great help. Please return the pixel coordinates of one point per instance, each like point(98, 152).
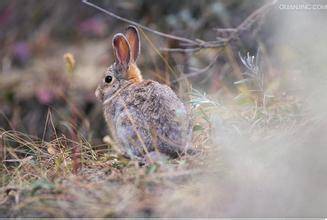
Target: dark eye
point(108, 79)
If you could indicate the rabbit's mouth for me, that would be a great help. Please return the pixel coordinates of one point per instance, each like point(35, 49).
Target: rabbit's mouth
point(108, 99)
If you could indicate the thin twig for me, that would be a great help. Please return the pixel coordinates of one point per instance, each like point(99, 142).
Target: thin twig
point(194, 44)
point(191, 45)
point(232, 33)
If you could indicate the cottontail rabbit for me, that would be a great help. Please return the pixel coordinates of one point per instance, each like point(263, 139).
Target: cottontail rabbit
point(143, 116)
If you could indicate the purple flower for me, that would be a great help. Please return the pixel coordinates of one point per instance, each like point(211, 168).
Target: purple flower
point(21, 51)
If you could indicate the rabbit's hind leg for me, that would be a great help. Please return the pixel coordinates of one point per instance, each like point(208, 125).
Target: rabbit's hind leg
point(133, 133)
point(156, 157)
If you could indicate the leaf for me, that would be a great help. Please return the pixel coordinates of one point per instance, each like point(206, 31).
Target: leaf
point(244, 90)
point(198, 128)
point(273, 86)
point(152, 168)
point(70, 62)
point(41, 184)
point(205, 116)
point(243, 99)
point(242, 81)
point(51, 150)
point(107, 139)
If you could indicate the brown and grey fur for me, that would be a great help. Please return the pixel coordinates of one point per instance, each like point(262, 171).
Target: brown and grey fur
point(142, 115)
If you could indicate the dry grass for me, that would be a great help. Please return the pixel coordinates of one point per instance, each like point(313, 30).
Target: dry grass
point(37, 179)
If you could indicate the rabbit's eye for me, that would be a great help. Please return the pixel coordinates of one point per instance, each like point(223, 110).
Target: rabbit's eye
point(108, 79)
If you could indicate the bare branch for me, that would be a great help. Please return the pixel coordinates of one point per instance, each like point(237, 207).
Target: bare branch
point(225, 35)
point(192, 42)
point(232, 33)
point(184, 50)
point(195, 45)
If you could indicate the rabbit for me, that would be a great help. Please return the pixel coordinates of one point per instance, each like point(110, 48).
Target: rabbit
point(143, 116)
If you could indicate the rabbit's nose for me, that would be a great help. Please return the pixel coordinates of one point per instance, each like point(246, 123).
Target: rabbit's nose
point(98, 94)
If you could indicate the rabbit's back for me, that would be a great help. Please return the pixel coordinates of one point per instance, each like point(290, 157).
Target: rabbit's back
point(149, 115)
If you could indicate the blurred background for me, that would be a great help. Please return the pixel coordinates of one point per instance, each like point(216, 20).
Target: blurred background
point(258, 101)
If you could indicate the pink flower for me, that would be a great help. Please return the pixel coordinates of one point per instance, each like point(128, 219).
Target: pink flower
point(44, 96)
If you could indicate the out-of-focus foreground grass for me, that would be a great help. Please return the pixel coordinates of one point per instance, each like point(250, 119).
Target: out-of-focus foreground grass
point(258, 118)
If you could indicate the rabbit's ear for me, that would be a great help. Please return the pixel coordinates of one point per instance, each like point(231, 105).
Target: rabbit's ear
point(133, 38)
point(122, 50)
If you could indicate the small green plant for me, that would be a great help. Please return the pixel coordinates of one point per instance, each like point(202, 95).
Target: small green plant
point(254, 78)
